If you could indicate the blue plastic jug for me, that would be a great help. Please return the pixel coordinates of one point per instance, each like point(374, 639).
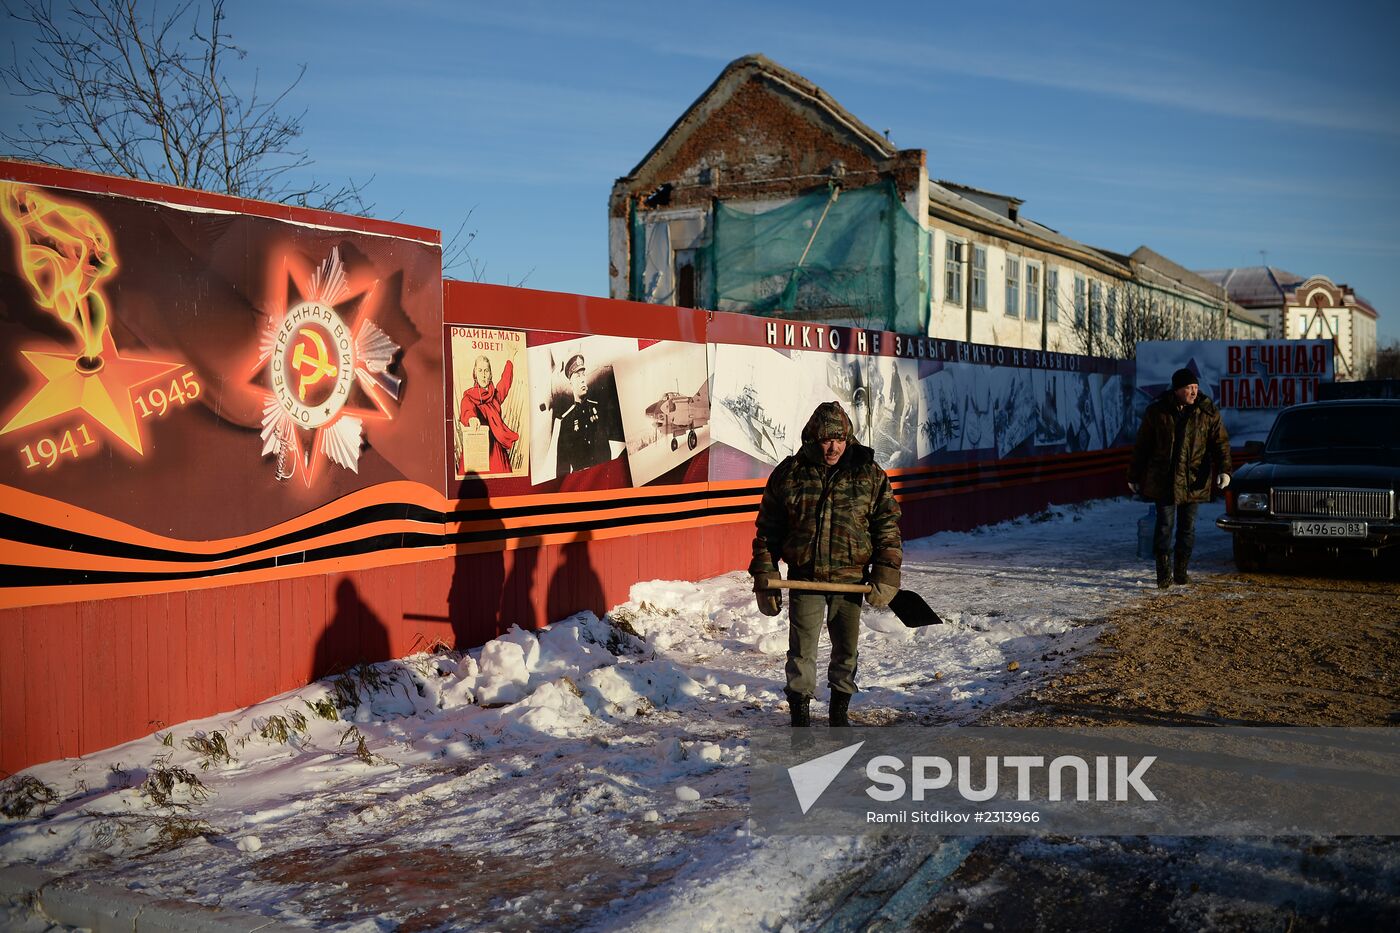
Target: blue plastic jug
point(1146, 525)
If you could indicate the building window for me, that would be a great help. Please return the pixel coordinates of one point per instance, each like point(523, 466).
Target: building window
point(1096, 306)
point(952, 272)
point(979, 278)
point(685, 279)
point(1032, 291)
point(1052, 296)
point(1111, 321)
point(1081, 300)
point(1316, 326)
point(1013, 287)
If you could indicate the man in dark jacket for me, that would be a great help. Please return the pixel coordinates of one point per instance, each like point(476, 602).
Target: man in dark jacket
point(583, 431)
point(1180, 447)
point(829, 512)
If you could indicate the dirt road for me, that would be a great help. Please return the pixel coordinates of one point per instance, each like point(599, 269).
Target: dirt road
point(1236, 649)
point(1228, 649)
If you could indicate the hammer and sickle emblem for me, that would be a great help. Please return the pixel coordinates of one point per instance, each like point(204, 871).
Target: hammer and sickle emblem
point(320, 366)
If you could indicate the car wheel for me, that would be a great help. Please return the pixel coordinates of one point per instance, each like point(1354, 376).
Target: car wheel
point(1249, 554)
point(674, 443)
point(692, 441)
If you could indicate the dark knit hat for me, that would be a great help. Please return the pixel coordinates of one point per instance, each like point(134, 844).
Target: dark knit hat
point(1183, 378)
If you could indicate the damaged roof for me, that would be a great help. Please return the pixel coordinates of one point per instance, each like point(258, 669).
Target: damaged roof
point(743, 69)
point(948, 204)
point(947, 200)
point(1162, 265)
point(1254, 286)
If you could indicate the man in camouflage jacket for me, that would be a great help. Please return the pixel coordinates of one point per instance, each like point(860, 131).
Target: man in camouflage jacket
point(829, 512)
point(1180, 447)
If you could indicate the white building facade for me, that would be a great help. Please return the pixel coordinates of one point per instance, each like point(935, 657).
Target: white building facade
point(763, 144)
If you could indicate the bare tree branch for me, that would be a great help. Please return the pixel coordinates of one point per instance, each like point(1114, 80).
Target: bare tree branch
point(140, 89)
point(1387, 365)
point(457, 254)
point(1140, 313)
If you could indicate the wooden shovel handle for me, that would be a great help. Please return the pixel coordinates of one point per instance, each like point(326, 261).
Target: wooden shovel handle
point(818, 587)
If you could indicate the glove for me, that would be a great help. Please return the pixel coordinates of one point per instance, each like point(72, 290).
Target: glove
point(880, 594)
point(884, 584)
point(1133, 488)
point(769, 600)
point(1223, 480)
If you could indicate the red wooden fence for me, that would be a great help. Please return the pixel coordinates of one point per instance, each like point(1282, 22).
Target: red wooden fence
point(115, 623)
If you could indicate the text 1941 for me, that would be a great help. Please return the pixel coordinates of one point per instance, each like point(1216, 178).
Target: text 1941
point(47, 451)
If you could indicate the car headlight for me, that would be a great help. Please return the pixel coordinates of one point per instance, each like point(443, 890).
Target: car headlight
point(1252, 502)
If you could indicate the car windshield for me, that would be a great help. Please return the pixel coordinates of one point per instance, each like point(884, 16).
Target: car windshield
point(1361, 427)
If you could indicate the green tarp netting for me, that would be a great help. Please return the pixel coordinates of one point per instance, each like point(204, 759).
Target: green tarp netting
point(844, 257)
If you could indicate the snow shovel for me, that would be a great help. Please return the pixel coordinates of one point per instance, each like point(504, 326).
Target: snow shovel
point(909, 607)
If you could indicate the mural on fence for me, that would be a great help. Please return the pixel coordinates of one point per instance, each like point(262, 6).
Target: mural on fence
point(742, 400)
point(491, 386)
point(201, 374)
point(916, 401)
point(574, 406)
point(664, 393)
point(757, 411)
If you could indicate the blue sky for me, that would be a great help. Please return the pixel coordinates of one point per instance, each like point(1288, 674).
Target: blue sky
point(1207, 131)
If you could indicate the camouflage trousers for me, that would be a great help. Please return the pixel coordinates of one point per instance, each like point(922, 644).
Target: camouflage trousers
point(807, 612)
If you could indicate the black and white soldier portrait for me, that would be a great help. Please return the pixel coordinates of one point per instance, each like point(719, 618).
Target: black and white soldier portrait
point(578, 423)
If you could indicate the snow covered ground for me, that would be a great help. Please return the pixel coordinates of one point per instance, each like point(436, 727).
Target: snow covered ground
point(592, 774)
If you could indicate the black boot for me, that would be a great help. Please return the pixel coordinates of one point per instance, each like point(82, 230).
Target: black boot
point(840, 706)
point(1183, 559)
point(1164, 571)
point(800, 707)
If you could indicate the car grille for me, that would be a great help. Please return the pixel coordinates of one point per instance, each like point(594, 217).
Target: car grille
point(1323, 502)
